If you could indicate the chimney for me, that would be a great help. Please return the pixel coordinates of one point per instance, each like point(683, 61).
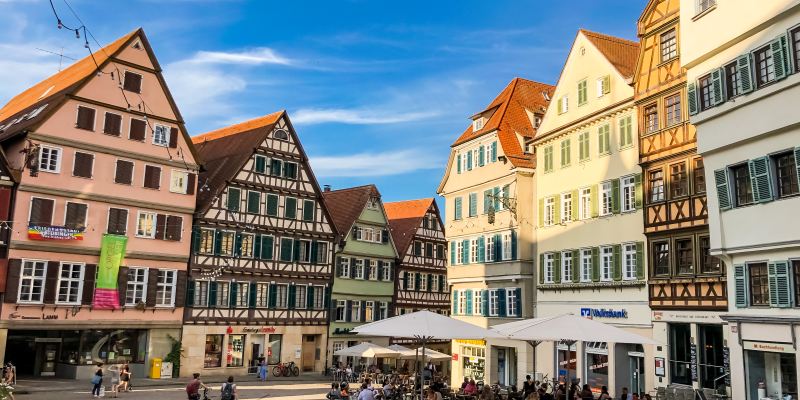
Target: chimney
point(326, 188)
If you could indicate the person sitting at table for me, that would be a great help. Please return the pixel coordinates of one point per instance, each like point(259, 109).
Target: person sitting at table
point(464, 384)
point(432, 395)
point(345, 390)
point(486, 393)
point(334, 394)
point(388, 389)
point(366, 393)
point(471, 389)
point(543, 395)
point(437, 385)
point(368, 383)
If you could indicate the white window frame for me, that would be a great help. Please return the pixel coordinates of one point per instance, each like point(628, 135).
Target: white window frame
point(369, 311)
point(184, 187)
point(507, 246)
point(300, 297)
point(477, 302)
point(166, 133)
point(345, 266)
point(606, 263)
point(166, 287)
point(585, 203)
point(387, 271)
point(628, 261)
point(282, 300)
point(564, 104)
point(473, 250)
point(242, 296)
point(567, 264)
point(566, 207)
point(605, 198)
point(305, 251)
point(423, 282)
point(355, 311)
point(340, 304)
point(143, 286)
point(262, 295)
point(462, 302)
point(586, 265)
point(511, 303)
point(549, 211)
point(373, 270)
point(459, 252)
point(494, 306)
point(477, 124)
point(252, 246)
point(627, 188)
point(435, 283)
point(549, 268)
point(31, 279)
point(222, 247)
point(490, 256)
point(359, 269)
point(59, 155)
point(68, 281)
point(383, 309)
point(319, 297)
point(223, 299)
point(139, 214)
point(411, 282)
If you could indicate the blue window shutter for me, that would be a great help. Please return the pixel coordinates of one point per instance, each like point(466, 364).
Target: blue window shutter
point(513, 245)
point(469, 302)
point(455, 302)
point(487, 200)
point(494, 151)
point(481, 249)
point(780, 291)
point(498, 247)
point(473, 204)
point(740, 285)
point(744, 68)
point(723, 189)
point(469, 161)
point(691, 95)
point(485, 297)
point(501, 303)
point(497, 198)
point(760, 179)
point(519, 302)
point(465, 251)
point(452, 253)
point(458, 164)
point(481, 155)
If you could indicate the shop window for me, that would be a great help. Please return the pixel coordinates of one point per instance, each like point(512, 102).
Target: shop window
point(778, 371)
point(680, 340)
point(235, 354)
point(759, 284)
point(275, 345)
point(474, 362)
point(596, 365)
point(213, 354)
point(711, 364)
point(567, 360)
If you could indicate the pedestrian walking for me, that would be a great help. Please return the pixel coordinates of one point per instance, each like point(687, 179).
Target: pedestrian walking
point(228, 390)
point(114, 372)
point(97, 380)
point(125, 379)
point(262, 368)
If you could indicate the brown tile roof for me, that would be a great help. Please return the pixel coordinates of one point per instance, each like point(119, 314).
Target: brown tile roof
point(621, 53)
point(510, 117)
point(224, 152)
point(345, 205)
point(404, 219)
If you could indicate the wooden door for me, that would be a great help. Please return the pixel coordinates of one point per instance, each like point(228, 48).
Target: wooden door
point(309, 351)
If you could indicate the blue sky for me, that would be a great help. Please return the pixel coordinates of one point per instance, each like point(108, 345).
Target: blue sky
point(377, 90)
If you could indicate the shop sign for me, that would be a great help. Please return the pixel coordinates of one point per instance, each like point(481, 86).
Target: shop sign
point(661, 369)
point(771, 347)
point(16, 315)
point(455, 356)
point(685, 317)
point(472, 342)
point(38, 232)
point(693, 361)
point(604, 313)
point(726, 364)
point(259, 329)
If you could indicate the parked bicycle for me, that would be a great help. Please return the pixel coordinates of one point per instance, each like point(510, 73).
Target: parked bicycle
point(286, 369)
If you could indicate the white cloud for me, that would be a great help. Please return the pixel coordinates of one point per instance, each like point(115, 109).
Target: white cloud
point(257, 56)
point(374, 164)
point(202, 91)
point(27, 67)
point(310, 116)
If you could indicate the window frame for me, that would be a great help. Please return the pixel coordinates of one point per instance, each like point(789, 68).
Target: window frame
point(732, 77)
point(656, 273)
point(59, 157)
point(171, 286)
point(549, 268)
point(585, 203)
point(651, 118)
point(127, 219)
point(673, 112)
point(125, 76)
point(52, 212)
point(566, 207)
point(792, 178)
point(139, 214)
point(549, 211)
point(653, 195)
point(75, 158)
point(627, 183)
point(605, 193)
point(567, 266)
point(765, 286)
point(33, 278)
point(705, 95)
point(586, 265)
point(85, 217)
point(769, 61)
point(734, 182)
point(679, 182)
point(167, 132)
point(672, 49)
point(678, 258)
point(78, 280)
point(185, 187)
point(628, 264)
point(140, 284)
point(606, 268)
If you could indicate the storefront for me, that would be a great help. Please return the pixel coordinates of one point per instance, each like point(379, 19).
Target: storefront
point(567, 360)
point(236, 349)
point(771, 370)
point(471, 355)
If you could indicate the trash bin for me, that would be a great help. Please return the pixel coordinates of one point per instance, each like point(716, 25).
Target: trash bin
point(155, 368)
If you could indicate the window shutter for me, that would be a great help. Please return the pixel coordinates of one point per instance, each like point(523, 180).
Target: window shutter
point(541, 212)
point(308, 210)
point(487, 200)
point(498, 247)
point(233, 294)
point(314, 249)
point(452, 253)
point(89, 273)
point(797, 165)
point(196, 239)
point(161, 224)
point(617, 262)
point(638, 194)
point(723, 192)
point(41, 212)
point(417, 280)
point(575, 204)
point(132, 82)
point(51, 282)
point(267, 247)
point(252, 295)
point(576, 266)
point(237, 245)
point(455, 302)
point(272, 301)
point(481, 249)
point(518, 300)
point(191, 181)
point(233, 199)
point(717, 87)
point(469, 302)
point(595, 264)
point(112, 124)
point(639, 260)
point(260, 164)
point(292, 301)
point(593, 199)
point(272, 205)
point(83, 165)
point(310, 297)
point(780, 293)
point(173, 137)
point(124, 172)
point(615, 196)
point(469, 160)
point(442, 281)
point(779, 48)
point(557, 210)
point(385, 236)
point(458, 163)
point(296, 250)
point(740, 285)
point(691, 97)
point(217, 242)
point(481, 155)
point(189, 300)
point(85, 118)
point(497, 198)
point(494, 151)
point(138, 130)
point(352, 267)
point(541, 269)
point(606, 84)
point(513, 245)
point(465, 251)
point(338, 267)
point(501, 303)
point(560, 106)
point(430, 282)
point(557, 267)
point(760, 179)
point(745, 82)
point(152, 287)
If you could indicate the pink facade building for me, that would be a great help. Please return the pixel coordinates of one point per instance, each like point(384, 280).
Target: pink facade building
point(101, 226)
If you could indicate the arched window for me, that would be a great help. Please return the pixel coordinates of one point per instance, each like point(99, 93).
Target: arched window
point(281, 134)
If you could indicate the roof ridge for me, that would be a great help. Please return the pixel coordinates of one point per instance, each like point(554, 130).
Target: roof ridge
point(230, 130)
point(352, 188)
point(609, 37)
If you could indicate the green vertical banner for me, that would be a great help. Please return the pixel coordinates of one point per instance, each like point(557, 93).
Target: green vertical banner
point(112, 252)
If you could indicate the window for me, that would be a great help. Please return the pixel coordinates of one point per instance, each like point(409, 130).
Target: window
point(549, 211)
point(490, 256)
point(742, 185)
point(680, 341)
point(703, 5)
point(226, 243)
point(672, 109)
point(281, 296)
point(112, 124)
point(132, 82)
point(300, 297)
point(136, 288)
point(660, 251)
point(322, 253)
point(201, 293)
point(248, 240)
point(566, 207)
point(83, 165)
point(586, 265)
point(457, 208)
point(85, 118)
point(473, 250)
point(411, 282)
point(359, 269)
point(179, 182)
point(146, 225)
point(625, 132)
point(604, 139)
point(606, 262)
point(477, 124)
point(223, 291)
point(206, 241)
point(566, 266)
point(582, 92)
point(275, 167)
point(565, 153)
point(651, 118)
point(585, 203)
point(344, 264)
point(699, 176)
point(75, 215)
point(341, 311)
point(165, 290)
point(679, 180)
point(669, 45)
point(31, 281)
point(477, 302)
point(355, 311)
point(423, 282)
point(795, 39)
point(759, 284)
point(705, 90)
point(786, 174)
point(280, 134)
point(290, 170)
point(507, 246)
point(117, 221)
point(732, 79)
point(708, 263)
point(137, 130)
point(628, 188)
point(765, 66)
point(549, 268)
point(494, 304)
point(511, 303)
point(41, 212)
point(152, 177)
point(70, 282)
point(50, 159)
point(629, 261)
point(319, 297)
point(606, 195)
point(548, 159)
point(369, 311)
point(603, 85)
point(290, 208)
point(656, 186)
point(434, 283)
point(161, 135)
point(253, 202)
point(685, 256)
point(583, 146)
point(235, 351)
point(309, 207)
point(460, 253)
point(124, 172)
point(272, 205)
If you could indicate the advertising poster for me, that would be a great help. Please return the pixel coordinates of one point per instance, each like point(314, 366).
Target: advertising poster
point(112, 252)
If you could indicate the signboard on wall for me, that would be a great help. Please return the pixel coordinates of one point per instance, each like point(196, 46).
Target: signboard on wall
point(693, 361)
point(771, 346)
point(726, 364)
point(661, 368)
point(592, 313)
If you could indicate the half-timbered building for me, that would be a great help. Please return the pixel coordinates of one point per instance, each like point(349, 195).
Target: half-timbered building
point(363, 284)
point(686, 284)
point(260, 268)
point(418, 234)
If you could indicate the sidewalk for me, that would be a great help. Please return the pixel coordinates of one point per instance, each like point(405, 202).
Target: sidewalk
point(38, 385)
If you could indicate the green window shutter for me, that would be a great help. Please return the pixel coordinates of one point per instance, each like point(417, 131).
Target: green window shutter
point(292, 301)
point(234, 197)
point(272, 301)
point(560, 108)
point(452, 253)
point(234, 293)
point(469, 302)
point(617, 263)
point(308, 210)
point(473, 204)
point(481, 249)
point(780, 291)
point(465, 251)
point(740, 285)
point(595, 264)
point(779, 50)
point(272, 205)
point(494, 151)
point(217, 242)
point(189, 301)
point(252, 297)
point(541, 269)
point(717, 87)
point(455, 302)
point(196, 238)
point(267, 246)
point(637, 181)
point(290, 208)
point(314, 248)
point(458, 163)
point(310, 297)
point(212, 294)
point(745, 71)
point(557, 210)
point(457, 208)
point(513, 245)
point(498, 247)
point(469, 161)
point(485, 297)
point(275, 167)
point(575, 205)
point(691, 96)
point(496, 198)
point(487, 200)
point(760, 178)
point(257, 246)
point(481, 156)
point(639, 260)
point(593, 197)
point(261, 164)
point(576, 265)
point(557, 267)
point(253, 202)
point(286, 249)
point(296, 251)
point(797, 167)
point(615, 196)
point(430, 283)
point(723, 190)
point(501, 303)
point(606, 84)
point(237, 245)
point(541, 212)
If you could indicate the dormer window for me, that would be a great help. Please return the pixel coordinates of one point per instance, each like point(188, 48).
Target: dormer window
point(373, 203)
point(537, 121)
point(546, 96)
point(280, 134)
point(477, 124)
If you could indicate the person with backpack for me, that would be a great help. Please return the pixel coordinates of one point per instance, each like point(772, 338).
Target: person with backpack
point(228, 390)
point(193, 388)
point(97, 380)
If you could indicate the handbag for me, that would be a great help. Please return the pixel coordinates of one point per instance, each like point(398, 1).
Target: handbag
point(96, 379)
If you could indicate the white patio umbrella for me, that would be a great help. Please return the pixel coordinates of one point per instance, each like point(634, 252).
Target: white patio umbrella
point(367, 350)
point(430, 354)
point(425, 326)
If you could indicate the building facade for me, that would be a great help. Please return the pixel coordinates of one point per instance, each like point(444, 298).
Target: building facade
point(686, 284)
point(261, 264)
point(743, 61)
point(364, 280)
point(489, 189)
point(418, 232)
point(100, 242)
point(590, 245)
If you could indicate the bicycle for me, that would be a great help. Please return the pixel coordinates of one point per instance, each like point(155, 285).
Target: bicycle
point(286, 369)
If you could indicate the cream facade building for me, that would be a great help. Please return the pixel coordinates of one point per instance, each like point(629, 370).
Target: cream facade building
point(589, 239)
point(488, 189)
point(743, 60)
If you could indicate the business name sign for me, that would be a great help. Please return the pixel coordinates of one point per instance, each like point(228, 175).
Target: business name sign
point(771, 347)
point(603, 313)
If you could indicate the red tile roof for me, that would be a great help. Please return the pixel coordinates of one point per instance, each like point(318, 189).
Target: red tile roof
point(509, 117)
point(621, 53)
point(254, 123)
point(404, 219)
point(345, 205)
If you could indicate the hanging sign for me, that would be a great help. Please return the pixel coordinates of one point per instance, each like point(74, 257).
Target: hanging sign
point(38, 232)
point(726, 364)
point(693, 362)
point(112, 252)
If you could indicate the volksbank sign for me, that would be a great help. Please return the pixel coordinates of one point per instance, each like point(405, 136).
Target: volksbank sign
point(603, 313)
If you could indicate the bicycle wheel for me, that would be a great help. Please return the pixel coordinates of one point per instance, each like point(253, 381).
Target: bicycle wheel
point(286, 371)
point(277, 371)
point(295, 371)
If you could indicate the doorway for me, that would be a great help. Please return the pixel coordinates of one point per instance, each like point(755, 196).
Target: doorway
point(502, 367)
point(308, 353)
point(256, 352)
point(46, 356)
point(636, 362)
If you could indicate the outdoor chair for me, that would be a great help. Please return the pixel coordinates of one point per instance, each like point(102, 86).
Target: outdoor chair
point(661, 393)
point(670, 394)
